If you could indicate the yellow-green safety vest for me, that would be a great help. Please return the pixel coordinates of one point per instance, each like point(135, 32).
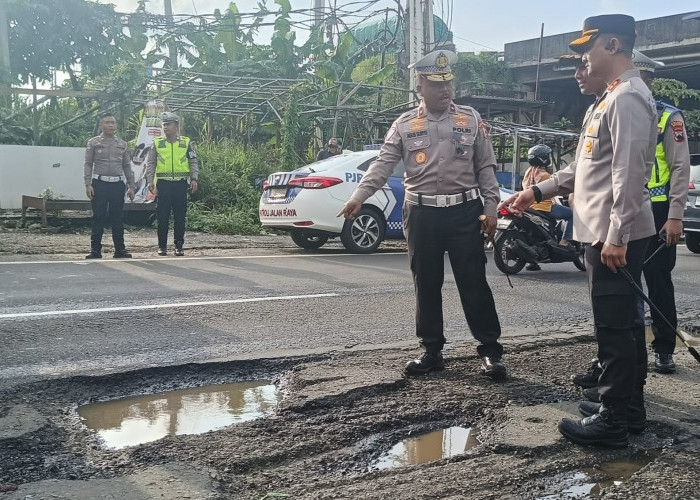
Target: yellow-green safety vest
point(172, 162)
point(661, 174)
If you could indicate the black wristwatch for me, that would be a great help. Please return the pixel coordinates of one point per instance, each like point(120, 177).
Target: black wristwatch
point(538, 193)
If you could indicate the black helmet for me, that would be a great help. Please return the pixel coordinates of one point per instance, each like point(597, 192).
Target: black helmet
point(539, 156)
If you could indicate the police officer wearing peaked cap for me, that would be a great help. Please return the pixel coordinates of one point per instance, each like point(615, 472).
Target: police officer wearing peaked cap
point(171, 163)
point(449, 167)
point(668, 186)
point(612, 206)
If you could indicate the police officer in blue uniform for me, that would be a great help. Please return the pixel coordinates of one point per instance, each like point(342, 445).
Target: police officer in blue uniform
point(450, 168)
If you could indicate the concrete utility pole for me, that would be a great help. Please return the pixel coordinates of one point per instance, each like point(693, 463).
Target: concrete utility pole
point(4, 40)
point(421, 34)
point(171, 46)
point(318, 13)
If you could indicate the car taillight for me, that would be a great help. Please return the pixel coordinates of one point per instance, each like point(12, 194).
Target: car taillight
point(504, 211)
point(691, 185)
point(265, 185)
point(313, 182)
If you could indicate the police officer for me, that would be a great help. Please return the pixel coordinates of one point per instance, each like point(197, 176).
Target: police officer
point(613, 206)
point(450, 165)
point(668, 187)
point(107, 172)
point(172, 161)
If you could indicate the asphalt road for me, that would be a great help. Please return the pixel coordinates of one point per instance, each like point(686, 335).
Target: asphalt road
point(65, 318)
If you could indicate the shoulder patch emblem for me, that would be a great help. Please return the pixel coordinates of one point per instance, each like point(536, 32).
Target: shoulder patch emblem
point(678, 128)
point(390, 133)
point(482, 127)
point(421, 157)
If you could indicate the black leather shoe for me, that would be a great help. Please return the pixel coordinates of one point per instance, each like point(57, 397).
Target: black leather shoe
point(590, 378)
point(122, 254)
point(605, 428)
point(94, 255)
point(162, 251)
point(663, 363)
point(533, 267)
point(426, 363)
point(592, 394)
point(179, 252)
point(493, 367)
point(636, 419)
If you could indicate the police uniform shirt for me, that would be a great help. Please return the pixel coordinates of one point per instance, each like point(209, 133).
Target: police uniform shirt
point(678, 159)
point(445, 153)
point(152, 160)
point(109, 157)
point(613, 166)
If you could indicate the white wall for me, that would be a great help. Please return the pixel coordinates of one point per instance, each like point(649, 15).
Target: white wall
point(31, 169)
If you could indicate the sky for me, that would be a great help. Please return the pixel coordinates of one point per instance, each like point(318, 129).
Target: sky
point(476, 25)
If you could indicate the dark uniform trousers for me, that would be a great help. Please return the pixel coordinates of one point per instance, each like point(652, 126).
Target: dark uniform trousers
point(657, 274)
point(107, 207)
point(172, 196)
point(619, 329)
point(430, 232)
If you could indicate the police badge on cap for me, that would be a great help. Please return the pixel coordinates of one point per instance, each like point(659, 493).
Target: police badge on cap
point(436, 66)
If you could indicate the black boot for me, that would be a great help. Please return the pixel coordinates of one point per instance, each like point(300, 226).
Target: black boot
point(94, 254)
point(663, 363)
point(592, 394)
point(636, 413)
point(590, 378)
point(122, 254)
point(608, 427)
point(493, 367)
point(429, 361)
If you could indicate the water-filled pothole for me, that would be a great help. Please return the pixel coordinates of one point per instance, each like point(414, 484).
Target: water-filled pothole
point(589, 483)
point(436, 445)
point(142, 419)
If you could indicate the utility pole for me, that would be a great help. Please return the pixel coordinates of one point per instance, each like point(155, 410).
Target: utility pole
point(171, 46)
point(4, 42)
point(429, 27)
point(318, 13)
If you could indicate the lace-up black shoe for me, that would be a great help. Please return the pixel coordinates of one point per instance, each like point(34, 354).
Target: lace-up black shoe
point(426, 363)
point(94, 255)
point(636, 415)
point(663, 363)
point(590, 378)
point(606, 428)
point(122, 254)
point(592, 394)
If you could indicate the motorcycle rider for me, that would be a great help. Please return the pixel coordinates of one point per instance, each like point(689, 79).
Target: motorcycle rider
point(539, 158)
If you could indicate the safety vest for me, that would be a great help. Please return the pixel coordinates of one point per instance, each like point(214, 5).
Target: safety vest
point(172, 162)
point(661, 174)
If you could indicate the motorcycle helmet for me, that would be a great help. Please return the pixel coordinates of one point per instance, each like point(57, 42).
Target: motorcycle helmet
point(539, 156)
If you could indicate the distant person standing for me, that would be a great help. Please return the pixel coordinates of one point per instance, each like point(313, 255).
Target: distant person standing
point(332, 150)
point(107, 173)
point(171, 163)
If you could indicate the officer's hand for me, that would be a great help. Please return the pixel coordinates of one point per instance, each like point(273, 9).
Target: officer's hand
point(613, 256)
point(130, 193)
point(194, 185)
point(488, 228)
point(519, 202)
point(89, 191)
point(350, 209)
point(151, 188)
point(673, 230)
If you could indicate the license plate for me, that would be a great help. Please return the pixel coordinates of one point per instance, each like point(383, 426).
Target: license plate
point(503, 223)
point(278, 193)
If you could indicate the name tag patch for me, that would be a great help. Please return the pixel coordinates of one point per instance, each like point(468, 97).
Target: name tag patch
point(420, 133)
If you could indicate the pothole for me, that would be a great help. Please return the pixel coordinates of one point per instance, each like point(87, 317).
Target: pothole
point(436, 445)
point(142, 419)
point(589, 483)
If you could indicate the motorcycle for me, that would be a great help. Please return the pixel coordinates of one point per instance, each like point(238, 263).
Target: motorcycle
point(533, 238)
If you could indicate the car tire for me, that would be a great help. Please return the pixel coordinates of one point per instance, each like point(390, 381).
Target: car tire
point(310, 240)
point(692, 241)
point(365, 232)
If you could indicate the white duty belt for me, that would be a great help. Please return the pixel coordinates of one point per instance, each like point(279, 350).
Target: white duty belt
point(442, 200)
point(109, 178)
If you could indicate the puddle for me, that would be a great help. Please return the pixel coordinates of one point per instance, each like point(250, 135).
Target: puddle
point(443, 443)
point(583, 485)
point(142, 419)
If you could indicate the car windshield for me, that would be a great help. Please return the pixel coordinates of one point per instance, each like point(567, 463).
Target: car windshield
point(351, 159)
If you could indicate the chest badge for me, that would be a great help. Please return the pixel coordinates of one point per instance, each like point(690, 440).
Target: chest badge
point(589, 146)
point(421, 157)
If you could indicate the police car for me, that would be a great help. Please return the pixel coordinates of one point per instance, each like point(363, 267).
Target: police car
point(306, 202)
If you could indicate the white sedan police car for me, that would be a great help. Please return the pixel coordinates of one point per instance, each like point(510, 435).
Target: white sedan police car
point(306, 202)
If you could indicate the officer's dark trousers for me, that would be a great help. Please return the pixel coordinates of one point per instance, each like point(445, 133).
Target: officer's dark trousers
point(430, 232)
point(657, 274)
point(619, 329)
point(172, 197)
point(107, 206)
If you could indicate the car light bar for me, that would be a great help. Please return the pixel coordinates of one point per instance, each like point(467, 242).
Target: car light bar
point(314, 182)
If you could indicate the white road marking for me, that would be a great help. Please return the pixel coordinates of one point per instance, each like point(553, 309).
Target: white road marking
point(211, 257)
point(162, 306)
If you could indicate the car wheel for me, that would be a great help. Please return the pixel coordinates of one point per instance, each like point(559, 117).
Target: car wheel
point(364, 233)
point(692, 241)
point(309, 240)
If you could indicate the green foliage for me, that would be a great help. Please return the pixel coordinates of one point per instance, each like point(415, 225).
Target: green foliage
point(673, 90)
point(291, 129)
point(482, 67)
